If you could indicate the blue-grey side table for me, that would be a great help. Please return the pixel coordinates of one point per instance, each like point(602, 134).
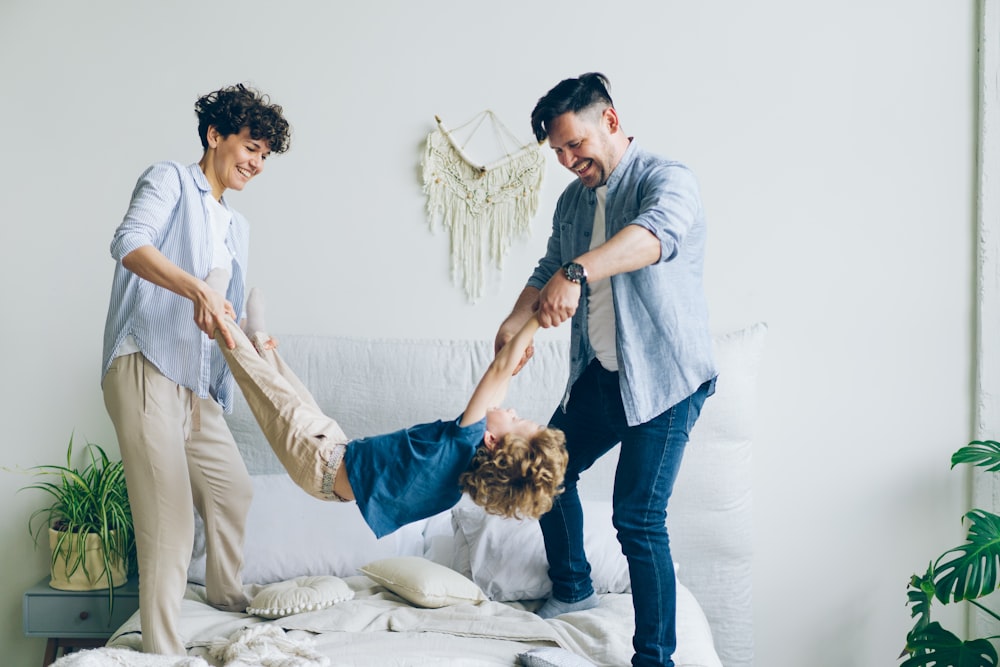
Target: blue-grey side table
point(75, 619)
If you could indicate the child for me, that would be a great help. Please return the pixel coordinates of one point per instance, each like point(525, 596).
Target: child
point(509, 466)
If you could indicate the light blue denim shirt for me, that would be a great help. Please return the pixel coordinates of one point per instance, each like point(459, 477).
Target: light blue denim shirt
point(664, 345)
point(168, 211)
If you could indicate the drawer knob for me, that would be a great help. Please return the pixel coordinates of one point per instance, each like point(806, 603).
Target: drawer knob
point(84, 615)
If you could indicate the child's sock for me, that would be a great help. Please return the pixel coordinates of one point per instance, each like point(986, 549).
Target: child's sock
point(255, 321)
point(218, 279)
point(554, 607)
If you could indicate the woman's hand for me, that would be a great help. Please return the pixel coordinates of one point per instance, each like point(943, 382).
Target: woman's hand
point(212, 312)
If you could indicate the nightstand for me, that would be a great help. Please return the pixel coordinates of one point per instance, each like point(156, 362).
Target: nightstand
point(75, 619)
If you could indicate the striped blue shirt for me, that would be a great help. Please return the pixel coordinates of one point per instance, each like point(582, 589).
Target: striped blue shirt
point(168, 211)
point(664, 346)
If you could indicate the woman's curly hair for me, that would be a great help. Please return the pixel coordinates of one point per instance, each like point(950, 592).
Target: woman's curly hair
point(232, 108)
point(520, 477)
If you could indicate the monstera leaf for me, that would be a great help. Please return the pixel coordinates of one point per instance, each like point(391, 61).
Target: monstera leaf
point(971, 570)
point(920, 594)
point(965, 573)
point(934, 646)
point(982, 453)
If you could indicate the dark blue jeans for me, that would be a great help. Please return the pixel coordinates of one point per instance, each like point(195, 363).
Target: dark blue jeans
point(594, 422)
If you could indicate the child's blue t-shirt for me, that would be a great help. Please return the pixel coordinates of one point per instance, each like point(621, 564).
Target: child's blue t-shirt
point(410, 474)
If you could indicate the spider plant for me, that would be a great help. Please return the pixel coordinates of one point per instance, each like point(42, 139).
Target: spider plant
point(967, 573)
point(88, 500)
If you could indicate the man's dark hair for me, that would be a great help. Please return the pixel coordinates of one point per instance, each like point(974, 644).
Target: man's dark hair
point(232, 108)
point(569, 95)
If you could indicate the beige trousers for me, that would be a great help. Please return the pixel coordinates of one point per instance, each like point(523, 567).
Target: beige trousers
point(309, 444)
point(173, 465)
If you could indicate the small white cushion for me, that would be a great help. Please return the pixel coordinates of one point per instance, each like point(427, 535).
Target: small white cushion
point(422, 582)
point(299, 595)
point(549, 656)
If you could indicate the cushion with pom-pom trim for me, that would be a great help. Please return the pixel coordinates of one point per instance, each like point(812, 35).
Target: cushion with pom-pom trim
point(298, 596)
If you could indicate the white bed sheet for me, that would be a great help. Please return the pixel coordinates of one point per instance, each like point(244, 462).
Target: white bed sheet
point(379, 628)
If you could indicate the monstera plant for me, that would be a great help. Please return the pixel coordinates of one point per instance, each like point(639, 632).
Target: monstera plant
point(965, 573)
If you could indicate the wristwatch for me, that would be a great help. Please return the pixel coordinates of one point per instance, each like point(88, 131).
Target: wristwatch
point(575, 273)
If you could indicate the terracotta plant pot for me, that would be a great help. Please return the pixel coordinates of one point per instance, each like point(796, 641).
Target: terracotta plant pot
point(79, 579)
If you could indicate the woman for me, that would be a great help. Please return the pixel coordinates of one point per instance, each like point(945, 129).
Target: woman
point(165, 385)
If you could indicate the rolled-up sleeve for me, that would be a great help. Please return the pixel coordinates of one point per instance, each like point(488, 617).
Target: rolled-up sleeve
point(155, 196)
point(668, 206)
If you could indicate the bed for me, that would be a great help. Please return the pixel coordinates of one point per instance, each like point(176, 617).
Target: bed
point(459, 588)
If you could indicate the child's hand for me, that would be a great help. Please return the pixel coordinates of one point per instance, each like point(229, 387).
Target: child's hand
point(521, 347)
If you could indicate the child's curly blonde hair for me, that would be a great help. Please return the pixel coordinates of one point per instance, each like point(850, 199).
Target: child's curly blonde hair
point(520, 477)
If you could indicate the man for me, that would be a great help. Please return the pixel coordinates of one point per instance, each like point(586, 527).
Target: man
point(624, 263)
point(165, 383)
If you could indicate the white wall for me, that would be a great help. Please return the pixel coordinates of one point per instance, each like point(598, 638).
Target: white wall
point(835, 146)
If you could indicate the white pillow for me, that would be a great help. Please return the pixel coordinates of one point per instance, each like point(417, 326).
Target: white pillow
point(506, 557)
point(291, 534)
point(299, 595)
point(550, 656)
point(422, 582)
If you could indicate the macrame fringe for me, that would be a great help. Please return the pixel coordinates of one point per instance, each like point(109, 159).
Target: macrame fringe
point(483, 207)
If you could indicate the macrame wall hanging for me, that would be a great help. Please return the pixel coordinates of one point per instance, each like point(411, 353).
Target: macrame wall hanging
point(482, 206)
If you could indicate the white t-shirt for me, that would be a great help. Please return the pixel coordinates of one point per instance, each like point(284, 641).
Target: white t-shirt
point(219, 218)
point(601, 306)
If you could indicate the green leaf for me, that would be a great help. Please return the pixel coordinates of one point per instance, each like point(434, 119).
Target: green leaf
point(971, 572)
point(983, 453)
point(920, 594)
point(934, 646)
point(89, 499)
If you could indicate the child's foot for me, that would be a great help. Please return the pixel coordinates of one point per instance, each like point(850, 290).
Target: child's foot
point(554, 607)
point(218, 279)
point(254, 322)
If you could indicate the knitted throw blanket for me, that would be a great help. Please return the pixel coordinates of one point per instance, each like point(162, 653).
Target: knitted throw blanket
point(257, 646)
point(123, 657)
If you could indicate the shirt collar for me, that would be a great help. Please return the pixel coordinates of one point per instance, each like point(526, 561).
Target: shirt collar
point(622, 166)
point(202, 182)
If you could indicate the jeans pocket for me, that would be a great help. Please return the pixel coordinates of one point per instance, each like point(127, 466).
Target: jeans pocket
point(695, 403)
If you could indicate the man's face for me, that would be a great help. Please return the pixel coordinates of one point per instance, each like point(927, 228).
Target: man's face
point(582, 142)
point(237, 159)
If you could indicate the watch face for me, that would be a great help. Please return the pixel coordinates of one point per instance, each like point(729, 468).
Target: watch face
point(574, 272)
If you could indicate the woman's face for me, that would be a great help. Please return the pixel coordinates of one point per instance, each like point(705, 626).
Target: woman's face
point(232, 161)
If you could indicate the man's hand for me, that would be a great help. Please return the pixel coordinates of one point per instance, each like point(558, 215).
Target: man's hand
point(558, 300)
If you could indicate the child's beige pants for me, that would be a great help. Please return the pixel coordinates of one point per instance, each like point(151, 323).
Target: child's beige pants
point(309, 444)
